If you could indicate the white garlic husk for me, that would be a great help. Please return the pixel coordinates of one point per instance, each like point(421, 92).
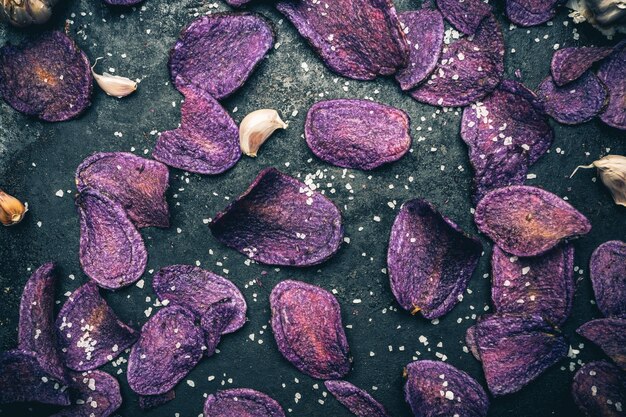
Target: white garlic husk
point(256, 128)
point(23, 13)
point(612, 172)
point(114, 85)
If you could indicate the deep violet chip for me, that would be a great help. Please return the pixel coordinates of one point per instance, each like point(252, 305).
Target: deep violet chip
point(48, 77)
point(467, 70)
point(237, 3)
point(568, 64)
point(358, 39)
point(612, 73)
point(470, 341)
point(112, 252)
point(608, 276)
point(430, 259)
point(89, 332)
point(122, 2)
point(94, 394)
point(464, 15)
point(575, 103)
point(217, 53)
point(610, 335)
point(424, 30)
point(216, 320)
point(515, 350)
point(599, 390)
point(531, 12)
point(169, 347)
point(137, 183)
point(435, 389)
point(147, 402)
point(358, 134)
point(358, 401)
point(22, 379)
point(241, 402)
point(528, 221)
point(306, 321)
point(540, 285)
point(279, 220)
point(37, 331)
point(207, 141)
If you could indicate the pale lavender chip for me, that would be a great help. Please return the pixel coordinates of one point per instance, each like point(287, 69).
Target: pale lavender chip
point(147, 402)
point(568, 64)
point(358, 401)
point(89, 332)
point(531, 12)
point(94, 394)
point(610, 335)
point(207, 141)
point(599, 390)
point(358, 134)
point(608, 276)
point(464, 15)
point(279, 220)
point(242, 402)
point(430, 260)
point(612, 73)
point(217, 53)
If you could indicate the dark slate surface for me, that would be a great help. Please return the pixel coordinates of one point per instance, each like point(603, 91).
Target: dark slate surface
point(38, 159)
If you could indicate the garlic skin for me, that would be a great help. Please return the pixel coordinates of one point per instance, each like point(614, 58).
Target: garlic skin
point(612, 171)
point(23, 13)
point(114, 85)
point(11, 209)
point(256, 127)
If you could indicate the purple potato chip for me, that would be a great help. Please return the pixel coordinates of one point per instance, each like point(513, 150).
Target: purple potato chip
point(112, 252)
point(95, 394)
point(358, 134)
point(464, 15)
point(530, 12)
point(89, 332)
point(242, 402)
point(358, 401)
point(470, 341)
point(358, 39)
point(612, 73)
point(207, 141)
point(217, 53)
point(468, 70)
point(22, 379)
point(435, 389)
point(49, 77)
point(237, 3)
point(610, 335)
point(608, 276)
point(577, 102)
point(147, 402)
point(122, 2)
point(515, 350)
point(215, 321)
point(599, 390)
point(169, 347)
point(138, 184)
point(424, 30)
point(279, 220)
point(37, 331)
point(307, 326)
point(541, 285)
point(528, 221)
point(430, 260)
point(568, 64)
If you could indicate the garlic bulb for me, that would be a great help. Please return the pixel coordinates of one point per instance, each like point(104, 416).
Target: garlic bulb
point(256, 127)
point(612, 171)
point(26, 12)
point(11, 209)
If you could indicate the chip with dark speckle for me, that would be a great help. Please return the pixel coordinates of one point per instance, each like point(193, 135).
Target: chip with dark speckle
point(608, 276)
point(610, 335)
point(94, 394)
point(147, 402)
point(612, 73)
point(241, 402)
point(430, 260)
point(599, 390)
point(531, 12)
point(464, 15)
point(358, 401)
point(307, 326)
point(568, 64)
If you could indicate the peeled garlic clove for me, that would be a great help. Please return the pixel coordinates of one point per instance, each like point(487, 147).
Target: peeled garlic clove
point(256, 127)
point(612, 171)
point(114, 85)
point(11, 209)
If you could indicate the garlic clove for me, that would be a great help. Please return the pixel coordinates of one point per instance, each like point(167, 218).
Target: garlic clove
point(256, 128)
point(11, 209)
point(114, 85)
point(612, 172)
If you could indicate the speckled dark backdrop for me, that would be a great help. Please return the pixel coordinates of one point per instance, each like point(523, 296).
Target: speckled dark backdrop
point(38, 160)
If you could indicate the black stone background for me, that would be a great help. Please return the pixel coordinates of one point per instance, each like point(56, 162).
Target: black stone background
point(37, 159)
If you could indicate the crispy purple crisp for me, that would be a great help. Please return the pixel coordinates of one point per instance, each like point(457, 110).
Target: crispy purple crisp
point(610, 335)
point(430, 259)
point(146, 402)
point(470, 341)
point(358, 134)
point(48, 77)
point(528, 221)
point(217, 53)
point(37, 332)
point(307, 326)
point(515, 350)
point(279, 220)
point(608, 276)
point(424, 30)
point(237, 3)
point(89, 332)
point(467, 70)
point(599, 390)
point(207, 141)
point(464, 15)
point(94, 394)
point(358, 401)
point(216, 320)
point(358, 39)
point(530, 12)
point(540, 285)
point(169, 347)
point(112, 252)
point(568, 64)
point(138, 184)
point(612, 73)
point(436, 389)
point(22, 379)
point(122, 2)
point(242, 402)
